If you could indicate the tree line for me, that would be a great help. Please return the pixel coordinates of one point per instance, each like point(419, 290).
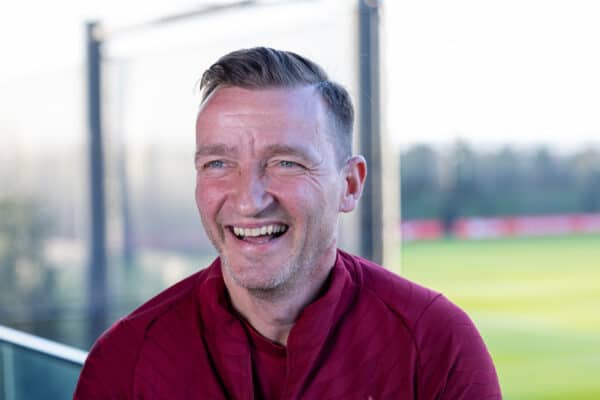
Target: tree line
point(463, 181)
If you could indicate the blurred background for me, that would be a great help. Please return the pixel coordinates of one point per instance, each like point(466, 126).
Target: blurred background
point(479, 121)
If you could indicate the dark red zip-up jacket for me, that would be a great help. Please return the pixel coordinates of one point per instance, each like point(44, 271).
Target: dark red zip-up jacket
point(371, 335)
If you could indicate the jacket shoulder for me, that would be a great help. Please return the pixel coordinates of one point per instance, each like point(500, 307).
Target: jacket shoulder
point(110, 365)
point(453, 360)
point(407, 299)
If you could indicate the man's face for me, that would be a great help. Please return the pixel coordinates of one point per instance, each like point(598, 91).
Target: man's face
point(268, 187)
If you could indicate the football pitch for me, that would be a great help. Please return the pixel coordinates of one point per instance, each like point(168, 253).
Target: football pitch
point(536, 302)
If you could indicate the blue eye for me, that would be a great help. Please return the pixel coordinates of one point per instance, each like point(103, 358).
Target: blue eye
point(288, 164)
point(214, 164)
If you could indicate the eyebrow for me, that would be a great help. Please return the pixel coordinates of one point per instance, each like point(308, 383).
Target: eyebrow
point(214, 150)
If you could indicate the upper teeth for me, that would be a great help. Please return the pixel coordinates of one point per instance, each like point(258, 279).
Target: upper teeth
point(263, 230)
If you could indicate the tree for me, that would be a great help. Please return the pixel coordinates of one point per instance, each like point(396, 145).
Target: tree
point(26, 282)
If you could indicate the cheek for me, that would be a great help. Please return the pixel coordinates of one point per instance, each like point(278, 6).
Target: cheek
point(307, 197)
point(200, 195)
point(208, 196)
point(296, 193)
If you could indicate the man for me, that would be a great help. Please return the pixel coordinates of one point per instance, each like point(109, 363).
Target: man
point(282, 313)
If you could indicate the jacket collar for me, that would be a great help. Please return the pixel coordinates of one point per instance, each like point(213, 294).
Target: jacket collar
point(227, 341)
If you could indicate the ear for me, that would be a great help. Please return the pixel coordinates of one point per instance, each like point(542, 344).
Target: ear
point(355, 173)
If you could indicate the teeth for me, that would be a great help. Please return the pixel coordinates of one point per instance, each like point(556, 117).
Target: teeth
point(253, 232)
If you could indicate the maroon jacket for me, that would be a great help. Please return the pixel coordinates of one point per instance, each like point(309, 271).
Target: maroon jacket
point(371, 335)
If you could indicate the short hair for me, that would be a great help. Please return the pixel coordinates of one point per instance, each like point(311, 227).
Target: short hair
point(263, 68)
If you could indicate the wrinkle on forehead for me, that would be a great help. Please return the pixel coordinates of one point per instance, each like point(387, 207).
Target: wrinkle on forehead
point(251, 114)
point(251, 126)
point(249, 118)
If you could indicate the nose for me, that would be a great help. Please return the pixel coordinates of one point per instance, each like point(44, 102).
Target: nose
point(251, 193)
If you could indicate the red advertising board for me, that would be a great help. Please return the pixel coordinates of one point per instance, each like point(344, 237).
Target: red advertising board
point(482, 228)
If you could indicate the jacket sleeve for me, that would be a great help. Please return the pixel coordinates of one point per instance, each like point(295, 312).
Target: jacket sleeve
point(108, 370)
point(454, 361)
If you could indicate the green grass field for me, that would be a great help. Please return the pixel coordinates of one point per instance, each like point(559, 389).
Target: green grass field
point(536, 302)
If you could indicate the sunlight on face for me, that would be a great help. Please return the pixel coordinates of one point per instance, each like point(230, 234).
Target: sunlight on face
point(268, 187)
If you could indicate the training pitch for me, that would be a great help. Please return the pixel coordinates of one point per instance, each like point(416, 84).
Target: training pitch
point(536, 302)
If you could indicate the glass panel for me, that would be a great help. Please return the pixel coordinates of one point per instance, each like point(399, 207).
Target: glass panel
point(43, 211)
point(154, 234)
point(27, 374)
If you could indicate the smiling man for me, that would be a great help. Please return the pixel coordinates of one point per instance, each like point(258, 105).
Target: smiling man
point(282, 313)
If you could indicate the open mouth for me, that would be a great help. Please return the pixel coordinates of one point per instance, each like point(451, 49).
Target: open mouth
point(261, 234)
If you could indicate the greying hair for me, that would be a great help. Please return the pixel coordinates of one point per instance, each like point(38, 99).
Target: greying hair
point(263, 68)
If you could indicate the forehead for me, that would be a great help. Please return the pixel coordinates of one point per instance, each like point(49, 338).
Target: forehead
point(264, 111)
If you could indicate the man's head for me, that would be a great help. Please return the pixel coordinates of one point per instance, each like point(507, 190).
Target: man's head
point(271, 180)
point(266, 68)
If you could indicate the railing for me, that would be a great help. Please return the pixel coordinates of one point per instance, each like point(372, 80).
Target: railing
point(34, 368)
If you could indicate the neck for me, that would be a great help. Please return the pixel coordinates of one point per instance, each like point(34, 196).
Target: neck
point(273, 312)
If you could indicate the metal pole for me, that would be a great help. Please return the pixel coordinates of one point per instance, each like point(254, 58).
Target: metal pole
point(97, 253)
point(128, 250)
point(370, 133)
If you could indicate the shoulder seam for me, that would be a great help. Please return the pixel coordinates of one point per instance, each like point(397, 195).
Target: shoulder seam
point(173, 302)
point(419, 360)
point(411, 329)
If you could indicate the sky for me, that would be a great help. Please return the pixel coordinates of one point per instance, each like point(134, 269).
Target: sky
point(520, 71)
point(516, 71)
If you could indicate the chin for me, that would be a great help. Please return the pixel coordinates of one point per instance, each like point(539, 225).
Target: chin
point(265, 279)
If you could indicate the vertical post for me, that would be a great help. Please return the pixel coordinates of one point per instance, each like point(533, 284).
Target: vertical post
point(128, 250)
point(370, 133)
point(97, 253)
